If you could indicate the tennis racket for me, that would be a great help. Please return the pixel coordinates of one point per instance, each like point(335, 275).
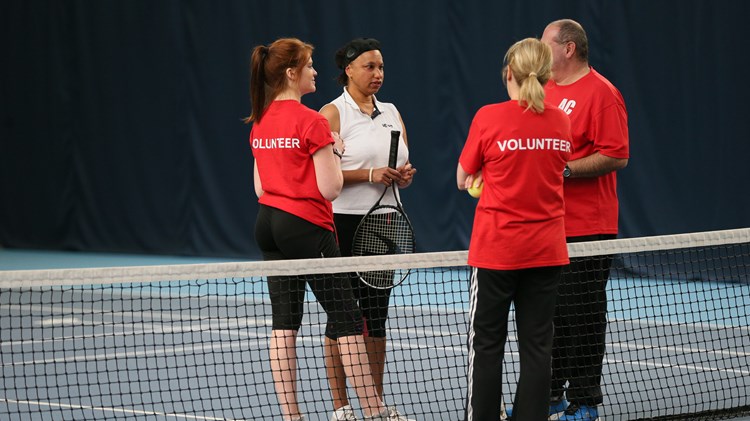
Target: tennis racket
point(385, 229)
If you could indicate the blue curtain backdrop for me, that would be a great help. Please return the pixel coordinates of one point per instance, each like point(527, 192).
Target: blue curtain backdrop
point(121, 131)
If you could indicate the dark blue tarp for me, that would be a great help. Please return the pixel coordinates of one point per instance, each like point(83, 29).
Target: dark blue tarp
point(121, 131)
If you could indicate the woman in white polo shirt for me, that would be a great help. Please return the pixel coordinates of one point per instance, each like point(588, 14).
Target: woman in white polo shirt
point(365, 125)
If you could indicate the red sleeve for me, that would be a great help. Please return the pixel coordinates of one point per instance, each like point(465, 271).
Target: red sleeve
point(318, 135)
point(471, 156)
point(610, 131)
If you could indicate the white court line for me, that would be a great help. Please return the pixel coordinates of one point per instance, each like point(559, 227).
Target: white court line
point(662, 323)
point(700, 368)
point(225, 332)
point(216, 327)
point(679, 349)
point(456, 349)
point(180, 316)
point(115, 410)
point(174, 316)
point(171, 352)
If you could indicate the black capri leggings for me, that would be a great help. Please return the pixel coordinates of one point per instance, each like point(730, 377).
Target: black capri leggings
point(281, 235)
point(373, 302)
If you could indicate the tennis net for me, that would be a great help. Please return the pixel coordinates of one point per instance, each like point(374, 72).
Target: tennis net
point(190, 342)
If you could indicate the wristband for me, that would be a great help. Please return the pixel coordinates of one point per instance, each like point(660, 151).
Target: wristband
point(337, 153)
point(370, 175)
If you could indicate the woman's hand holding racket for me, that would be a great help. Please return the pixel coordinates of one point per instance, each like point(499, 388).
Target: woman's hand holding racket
point(402, 175)
point(407, 174)
point(385, 176)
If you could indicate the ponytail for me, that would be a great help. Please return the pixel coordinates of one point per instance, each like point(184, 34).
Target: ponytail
point(532, 93)
point(257, 83)
point(268, 66)
point(530, 61)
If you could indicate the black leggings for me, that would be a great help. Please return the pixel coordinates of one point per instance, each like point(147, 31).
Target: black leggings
point(373, 302)
point(281, 235)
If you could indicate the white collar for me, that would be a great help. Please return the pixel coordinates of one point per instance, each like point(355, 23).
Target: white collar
point(352, 103)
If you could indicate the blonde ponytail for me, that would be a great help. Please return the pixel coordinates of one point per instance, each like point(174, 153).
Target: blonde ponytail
point(530, 61)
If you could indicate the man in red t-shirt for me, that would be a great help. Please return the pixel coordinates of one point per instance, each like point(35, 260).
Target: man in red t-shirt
point(600, 147)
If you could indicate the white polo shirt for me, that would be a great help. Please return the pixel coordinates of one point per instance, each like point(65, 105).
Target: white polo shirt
point(368, 142)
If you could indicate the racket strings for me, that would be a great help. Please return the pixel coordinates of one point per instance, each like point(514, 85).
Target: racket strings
point(379, 234)
point(385, 233)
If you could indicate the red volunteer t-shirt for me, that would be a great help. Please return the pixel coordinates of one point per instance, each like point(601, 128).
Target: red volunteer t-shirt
point(518, 221)
point(283, 143)
point(599, 122)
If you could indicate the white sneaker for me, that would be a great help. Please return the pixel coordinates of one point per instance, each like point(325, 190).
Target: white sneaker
point(345, 413)
point(389, 414)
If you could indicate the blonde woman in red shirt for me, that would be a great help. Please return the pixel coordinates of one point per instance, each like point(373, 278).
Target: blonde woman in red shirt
point(517, 149)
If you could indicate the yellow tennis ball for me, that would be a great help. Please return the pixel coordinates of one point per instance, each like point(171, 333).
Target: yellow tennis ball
point(475, 191)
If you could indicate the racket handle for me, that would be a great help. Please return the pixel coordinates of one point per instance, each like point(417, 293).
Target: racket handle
point(393, 155)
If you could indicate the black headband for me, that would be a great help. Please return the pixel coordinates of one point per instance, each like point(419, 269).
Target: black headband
point(353, 49)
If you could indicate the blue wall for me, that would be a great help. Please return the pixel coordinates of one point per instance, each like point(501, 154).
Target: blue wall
point(120, 121)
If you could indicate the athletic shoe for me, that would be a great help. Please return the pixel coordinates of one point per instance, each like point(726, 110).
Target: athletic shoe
point(577, 412)
point(301, 418)
point(388, 414)
point(345, 413)
point(503, 414)
point(555, 410)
